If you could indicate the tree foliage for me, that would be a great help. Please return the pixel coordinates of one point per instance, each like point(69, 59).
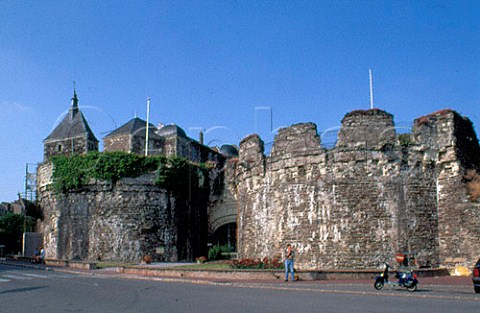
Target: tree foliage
point(11, 230)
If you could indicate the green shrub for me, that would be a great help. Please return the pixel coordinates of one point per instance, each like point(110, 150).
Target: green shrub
point(215, 252)
point(11, 230)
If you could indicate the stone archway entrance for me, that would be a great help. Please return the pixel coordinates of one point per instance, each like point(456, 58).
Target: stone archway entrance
point(226, 235)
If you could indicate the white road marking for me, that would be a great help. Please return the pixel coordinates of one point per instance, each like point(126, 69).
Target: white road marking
point(29, 276)
point(19, 277)
point(35, 275)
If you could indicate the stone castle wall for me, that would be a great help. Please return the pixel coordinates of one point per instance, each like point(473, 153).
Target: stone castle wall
point(353, 206)
point(458, 217)
point(364, 200)
point(121, 222)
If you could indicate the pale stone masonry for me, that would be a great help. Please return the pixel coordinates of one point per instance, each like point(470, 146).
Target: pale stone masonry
point(366, 199)
point(122, 222)
point(353, 206)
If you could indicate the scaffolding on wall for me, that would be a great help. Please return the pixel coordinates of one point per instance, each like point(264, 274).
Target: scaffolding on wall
point(30, 180)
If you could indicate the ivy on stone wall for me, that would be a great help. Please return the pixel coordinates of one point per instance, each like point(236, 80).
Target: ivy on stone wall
point(72, 172)
point(405, 140)
point(177, 175)
point(181, 177)
point(188, 186)
point(113, 166)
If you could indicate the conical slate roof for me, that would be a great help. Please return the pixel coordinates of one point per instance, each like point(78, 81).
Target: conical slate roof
point(73, 124)
point(136, 126)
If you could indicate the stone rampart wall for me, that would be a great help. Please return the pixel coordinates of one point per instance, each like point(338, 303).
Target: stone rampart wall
point(363, 201)
point(121, 222)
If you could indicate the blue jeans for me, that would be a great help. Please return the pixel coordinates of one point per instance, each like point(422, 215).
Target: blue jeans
point(289, 268)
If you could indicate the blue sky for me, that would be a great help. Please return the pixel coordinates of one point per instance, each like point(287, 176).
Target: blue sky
point(217, 65)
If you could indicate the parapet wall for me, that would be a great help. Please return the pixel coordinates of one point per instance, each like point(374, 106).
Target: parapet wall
point(368, 198)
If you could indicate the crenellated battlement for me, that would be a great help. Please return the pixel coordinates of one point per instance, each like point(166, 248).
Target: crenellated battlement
point(369, 197)
point(368, 129)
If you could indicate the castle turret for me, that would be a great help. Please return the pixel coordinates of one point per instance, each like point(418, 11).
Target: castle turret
point(445, 143)
point(251, 154)
point(72, 136)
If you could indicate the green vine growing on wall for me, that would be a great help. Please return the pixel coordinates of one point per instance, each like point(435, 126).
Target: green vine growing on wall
point(176, 175)
point(181, 177)
point(73, 172)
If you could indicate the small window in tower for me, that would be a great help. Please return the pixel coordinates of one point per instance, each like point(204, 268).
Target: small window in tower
point(59, 148)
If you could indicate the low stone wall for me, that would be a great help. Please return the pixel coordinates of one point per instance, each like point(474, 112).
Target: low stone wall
point(72, 264)
point(203, 274)
point(266, 275)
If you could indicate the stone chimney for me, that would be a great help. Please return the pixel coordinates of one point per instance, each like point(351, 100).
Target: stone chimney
point(200, 138)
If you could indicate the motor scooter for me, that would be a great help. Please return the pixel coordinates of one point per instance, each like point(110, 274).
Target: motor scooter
point(406, 278)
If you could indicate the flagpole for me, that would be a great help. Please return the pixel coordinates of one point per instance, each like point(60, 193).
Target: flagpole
point(147, 128)
point(371, 88)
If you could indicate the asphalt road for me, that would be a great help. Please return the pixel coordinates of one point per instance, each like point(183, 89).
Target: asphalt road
point(30, 290)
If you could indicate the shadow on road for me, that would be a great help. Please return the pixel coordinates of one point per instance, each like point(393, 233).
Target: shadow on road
point(18, 290)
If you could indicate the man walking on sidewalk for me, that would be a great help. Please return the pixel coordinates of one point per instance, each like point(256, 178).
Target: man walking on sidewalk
point(289, 258)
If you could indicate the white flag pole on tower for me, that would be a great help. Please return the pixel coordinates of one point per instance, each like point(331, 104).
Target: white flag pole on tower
point(147, 128)
point(371, 88)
